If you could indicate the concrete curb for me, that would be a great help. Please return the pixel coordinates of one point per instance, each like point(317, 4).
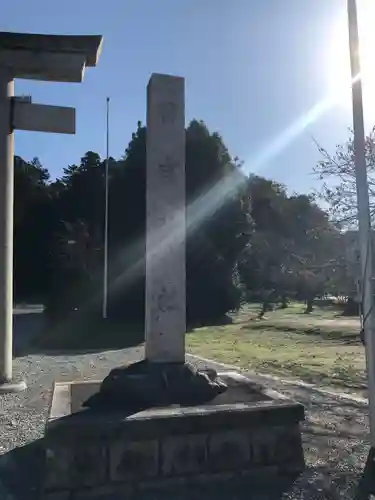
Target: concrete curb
point(297, 383)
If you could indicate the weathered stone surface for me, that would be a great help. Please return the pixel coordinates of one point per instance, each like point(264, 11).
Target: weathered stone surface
point(155, 447)
point(262, 443)
point(261, 473)
point(165, 320)
point(278, 445)
point(232, 485)
point(89, 465)
point(207, 478)
point(133, 460)
point(144, 384)
point(57, 495)
point(161, 484)
point(229, 450)
point(289, 449)
point(184, 483)
point(111, 491)
point(264, 476)
point(58, 466)
point(155, 423)
point(183, 454)
point(83, 464)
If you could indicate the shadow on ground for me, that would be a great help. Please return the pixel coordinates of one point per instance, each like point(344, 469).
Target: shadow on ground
point(27, 324)
point(335, 334)
point(37, 334)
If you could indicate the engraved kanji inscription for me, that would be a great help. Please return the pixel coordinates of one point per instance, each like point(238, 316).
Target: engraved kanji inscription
point(166, 299)
point(168, 112)
point(168, 167)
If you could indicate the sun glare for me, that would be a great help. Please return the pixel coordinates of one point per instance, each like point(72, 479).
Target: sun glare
point(337, 75)
point(338, 61)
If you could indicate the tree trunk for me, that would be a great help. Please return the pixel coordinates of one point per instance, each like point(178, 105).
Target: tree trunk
point(309, 305)
point(284, 302)
point(264, 309)
point(351, 308)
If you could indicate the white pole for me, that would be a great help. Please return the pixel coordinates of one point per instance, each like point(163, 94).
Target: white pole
point(6, 227)
point(7, 381)
point(105, 262)
point(364, 221)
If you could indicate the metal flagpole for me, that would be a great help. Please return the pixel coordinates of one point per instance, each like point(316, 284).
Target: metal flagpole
point(105, 262)
point(364, 224)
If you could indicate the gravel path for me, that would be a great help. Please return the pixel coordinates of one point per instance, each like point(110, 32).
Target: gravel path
point(335, 433)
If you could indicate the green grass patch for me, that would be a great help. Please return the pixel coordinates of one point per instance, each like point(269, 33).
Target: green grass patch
point(318, 348)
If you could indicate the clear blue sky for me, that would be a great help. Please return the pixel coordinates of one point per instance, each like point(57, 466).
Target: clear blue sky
point(253, 68)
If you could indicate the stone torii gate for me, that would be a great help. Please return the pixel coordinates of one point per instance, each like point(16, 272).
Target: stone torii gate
point(58, 58)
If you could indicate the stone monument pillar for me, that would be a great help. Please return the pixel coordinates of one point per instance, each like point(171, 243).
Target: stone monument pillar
point(165, 220)
point(163, 377)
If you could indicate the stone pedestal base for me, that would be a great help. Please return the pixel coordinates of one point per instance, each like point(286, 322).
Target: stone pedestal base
point(366, 486)
point(244, 436)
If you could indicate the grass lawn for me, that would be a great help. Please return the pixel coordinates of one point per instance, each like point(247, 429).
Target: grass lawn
point(321, 348)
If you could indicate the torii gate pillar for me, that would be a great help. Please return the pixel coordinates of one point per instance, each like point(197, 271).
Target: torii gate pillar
point(38, 57)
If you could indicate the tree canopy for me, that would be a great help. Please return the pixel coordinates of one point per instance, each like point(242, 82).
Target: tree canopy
point(337, 171)
point(247, 238)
